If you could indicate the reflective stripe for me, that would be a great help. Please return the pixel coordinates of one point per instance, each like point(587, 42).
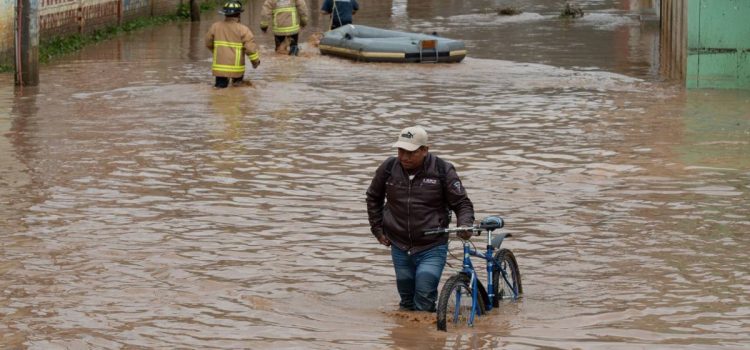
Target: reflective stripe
point(238, 67)
point(295, 22)
point(254, 56)
point(227, 43)
point(228, 69)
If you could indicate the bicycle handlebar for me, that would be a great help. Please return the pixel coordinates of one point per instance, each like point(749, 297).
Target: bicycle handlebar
point(488, 224)
point(438, 231)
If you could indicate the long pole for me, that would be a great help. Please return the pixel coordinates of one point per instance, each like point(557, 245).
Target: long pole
point(195, 11)
point(27, 43)
point(19, 24)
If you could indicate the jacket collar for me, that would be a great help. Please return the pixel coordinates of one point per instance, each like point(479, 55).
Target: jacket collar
point(425, 165)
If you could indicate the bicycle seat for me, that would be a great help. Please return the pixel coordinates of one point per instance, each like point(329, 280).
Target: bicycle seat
point(491, 223)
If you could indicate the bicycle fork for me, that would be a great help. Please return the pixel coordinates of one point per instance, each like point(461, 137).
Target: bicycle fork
point(474, 295)
point(468, 268)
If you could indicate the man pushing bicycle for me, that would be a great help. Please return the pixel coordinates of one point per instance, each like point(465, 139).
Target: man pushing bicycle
point(410, 194)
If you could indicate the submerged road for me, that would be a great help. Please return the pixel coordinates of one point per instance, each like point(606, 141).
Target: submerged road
point(140, 208)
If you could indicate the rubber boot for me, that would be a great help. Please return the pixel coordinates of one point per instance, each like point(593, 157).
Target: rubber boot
point(293, 50)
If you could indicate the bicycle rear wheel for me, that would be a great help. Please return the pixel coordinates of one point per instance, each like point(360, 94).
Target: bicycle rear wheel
point(507, 262)
point(454, 304)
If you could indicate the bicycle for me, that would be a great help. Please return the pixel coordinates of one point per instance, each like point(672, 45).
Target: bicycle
point(463, 297)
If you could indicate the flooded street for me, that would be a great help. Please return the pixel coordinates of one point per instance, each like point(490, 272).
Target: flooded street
point(140, 208)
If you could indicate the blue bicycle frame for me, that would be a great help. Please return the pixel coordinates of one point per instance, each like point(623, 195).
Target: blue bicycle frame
point(468, 269)
point(510, 274)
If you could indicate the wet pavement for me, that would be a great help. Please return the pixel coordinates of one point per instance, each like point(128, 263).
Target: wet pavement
point(140, 208)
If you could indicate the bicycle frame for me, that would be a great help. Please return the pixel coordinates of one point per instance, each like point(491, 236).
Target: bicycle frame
point(458, 282)
point(468, 268)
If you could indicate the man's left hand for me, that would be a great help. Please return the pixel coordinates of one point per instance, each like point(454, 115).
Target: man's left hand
point(384, 240)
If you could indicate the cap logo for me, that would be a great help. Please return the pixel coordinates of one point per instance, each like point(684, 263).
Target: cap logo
point(408, 135)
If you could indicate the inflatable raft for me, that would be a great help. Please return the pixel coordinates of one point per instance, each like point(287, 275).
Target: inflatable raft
point(370, 44)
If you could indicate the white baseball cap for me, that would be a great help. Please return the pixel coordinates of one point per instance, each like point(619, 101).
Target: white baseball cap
point(411, 138)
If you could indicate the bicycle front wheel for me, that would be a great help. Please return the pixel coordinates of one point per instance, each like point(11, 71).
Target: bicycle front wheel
point(454, 304)
point(506, 277)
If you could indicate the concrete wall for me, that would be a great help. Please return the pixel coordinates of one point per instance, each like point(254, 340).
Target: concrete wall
point(7, 25)
point(67, 17)
point(718, 44)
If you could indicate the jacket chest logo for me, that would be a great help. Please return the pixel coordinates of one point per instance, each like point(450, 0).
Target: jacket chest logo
point(430, 181)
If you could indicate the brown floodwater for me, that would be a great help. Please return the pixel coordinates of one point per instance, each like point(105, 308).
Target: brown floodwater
point(142, 209)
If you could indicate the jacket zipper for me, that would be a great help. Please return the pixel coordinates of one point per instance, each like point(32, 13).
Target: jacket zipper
point(408, 214)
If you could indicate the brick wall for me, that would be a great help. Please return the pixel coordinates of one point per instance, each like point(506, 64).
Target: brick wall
point(133, 9)
point(165, 7)
point(99, 14)
point(58, 18)
point(66, 17)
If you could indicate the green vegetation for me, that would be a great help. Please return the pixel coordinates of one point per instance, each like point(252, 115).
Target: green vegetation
point(59, 46)
point(183, 10)
point(63, 45)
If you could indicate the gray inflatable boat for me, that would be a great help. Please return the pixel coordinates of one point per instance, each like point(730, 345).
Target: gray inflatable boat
point(371, 44)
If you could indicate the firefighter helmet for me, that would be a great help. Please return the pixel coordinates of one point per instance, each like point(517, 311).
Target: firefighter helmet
point(231, 8)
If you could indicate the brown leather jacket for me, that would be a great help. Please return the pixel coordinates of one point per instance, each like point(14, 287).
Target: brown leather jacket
point(230, 41)
point(403, 209)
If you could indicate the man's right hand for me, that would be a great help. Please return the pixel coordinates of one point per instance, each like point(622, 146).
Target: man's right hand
point(255, 63)
point(263, 29)
point(465, 234)
point(384, 240)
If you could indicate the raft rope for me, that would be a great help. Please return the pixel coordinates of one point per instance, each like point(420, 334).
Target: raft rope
point(336, 12)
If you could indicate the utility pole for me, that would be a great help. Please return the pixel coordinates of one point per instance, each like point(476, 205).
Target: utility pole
point(195, 11)
point(27, 42)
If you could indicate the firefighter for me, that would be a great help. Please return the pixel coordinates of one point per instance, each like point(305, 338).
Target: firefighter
point(287, 16)
point(229, 41)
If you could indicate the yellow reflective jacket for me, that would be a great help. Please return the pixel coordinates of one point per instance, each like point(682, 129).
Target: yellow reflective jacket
point(284, 16)
point(230, 41)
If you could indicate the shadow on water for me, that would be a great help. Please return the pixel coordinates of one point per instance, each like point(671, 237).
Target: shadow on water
point(144, 209)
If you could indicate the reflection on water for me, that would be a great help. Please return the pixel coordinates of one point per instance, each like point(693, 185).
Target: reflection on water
point(15, 177)
point(717, 124)
point(144, 209)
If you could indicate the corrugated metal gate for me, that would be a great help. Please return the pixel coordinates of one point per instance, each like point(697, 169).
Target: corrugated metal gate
point(718, 44)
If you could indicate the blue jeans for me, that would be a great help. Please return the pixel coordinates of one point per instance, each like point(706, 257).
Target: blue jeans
point(418, 276)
